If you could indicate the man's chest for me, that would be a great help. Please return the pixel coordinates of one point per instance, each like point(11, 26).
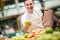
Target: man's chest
point(35, 18)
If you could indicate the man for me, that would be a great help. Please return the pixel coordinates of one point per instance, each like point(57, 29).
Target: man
point(33, 15)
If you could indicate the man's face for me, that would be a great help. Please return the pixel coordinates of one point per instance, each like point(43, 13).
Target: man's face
point(29, 5)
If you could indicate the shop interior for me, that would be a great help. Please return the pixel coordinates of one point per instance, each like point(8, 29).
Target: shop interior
point(12, 10)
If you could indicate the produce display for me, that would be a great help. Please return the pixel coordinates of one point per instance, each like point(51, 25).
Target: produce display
point(49, 35)
point(38, 34)
point(54, 36)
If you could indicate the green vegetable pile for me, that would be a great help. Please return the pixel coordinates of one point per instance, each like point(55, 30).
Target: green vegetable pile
point(57, 29)
point(49, 35)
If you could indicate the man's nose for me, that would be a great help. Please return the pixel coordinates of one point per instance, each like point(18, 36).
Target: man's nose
point(29, 6)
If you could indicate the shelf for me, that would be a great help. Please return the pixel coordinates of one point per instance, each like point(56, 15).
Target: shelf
point(10, 17)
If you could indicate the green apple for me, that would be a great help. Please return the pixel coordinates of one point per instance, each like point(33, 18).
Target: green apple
point(26, 35)
point(48, 30)
point(27, 22)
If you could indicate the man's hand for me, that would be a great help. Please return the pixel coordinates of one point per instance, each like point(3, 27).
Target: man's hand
point(26, 25)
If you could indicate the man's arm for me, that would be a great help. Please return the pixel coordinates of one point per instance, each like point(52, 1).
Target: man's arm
point(26, 27)
point(23, 25)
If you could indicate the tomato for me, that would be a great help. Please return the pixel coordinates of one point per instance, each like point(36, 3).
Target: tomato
point(58, 21)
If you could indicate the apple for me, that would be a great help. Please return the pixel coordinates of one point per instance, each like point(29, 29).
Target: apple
point(26, 35)
point(27, 22)
point(31, 35)
point(49, 30)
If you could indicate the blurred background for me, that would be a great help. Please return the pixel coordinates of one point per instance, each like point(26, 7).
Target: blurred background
point(13, 7)
point(11, 10)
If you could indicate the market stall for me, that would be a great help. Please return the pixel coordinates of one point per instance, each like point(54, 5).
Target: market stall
point(47, 34)
point(12, 18)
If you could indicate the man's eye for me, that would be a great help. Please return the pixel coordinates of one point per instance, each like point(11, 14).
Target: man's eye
point(31, 4)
